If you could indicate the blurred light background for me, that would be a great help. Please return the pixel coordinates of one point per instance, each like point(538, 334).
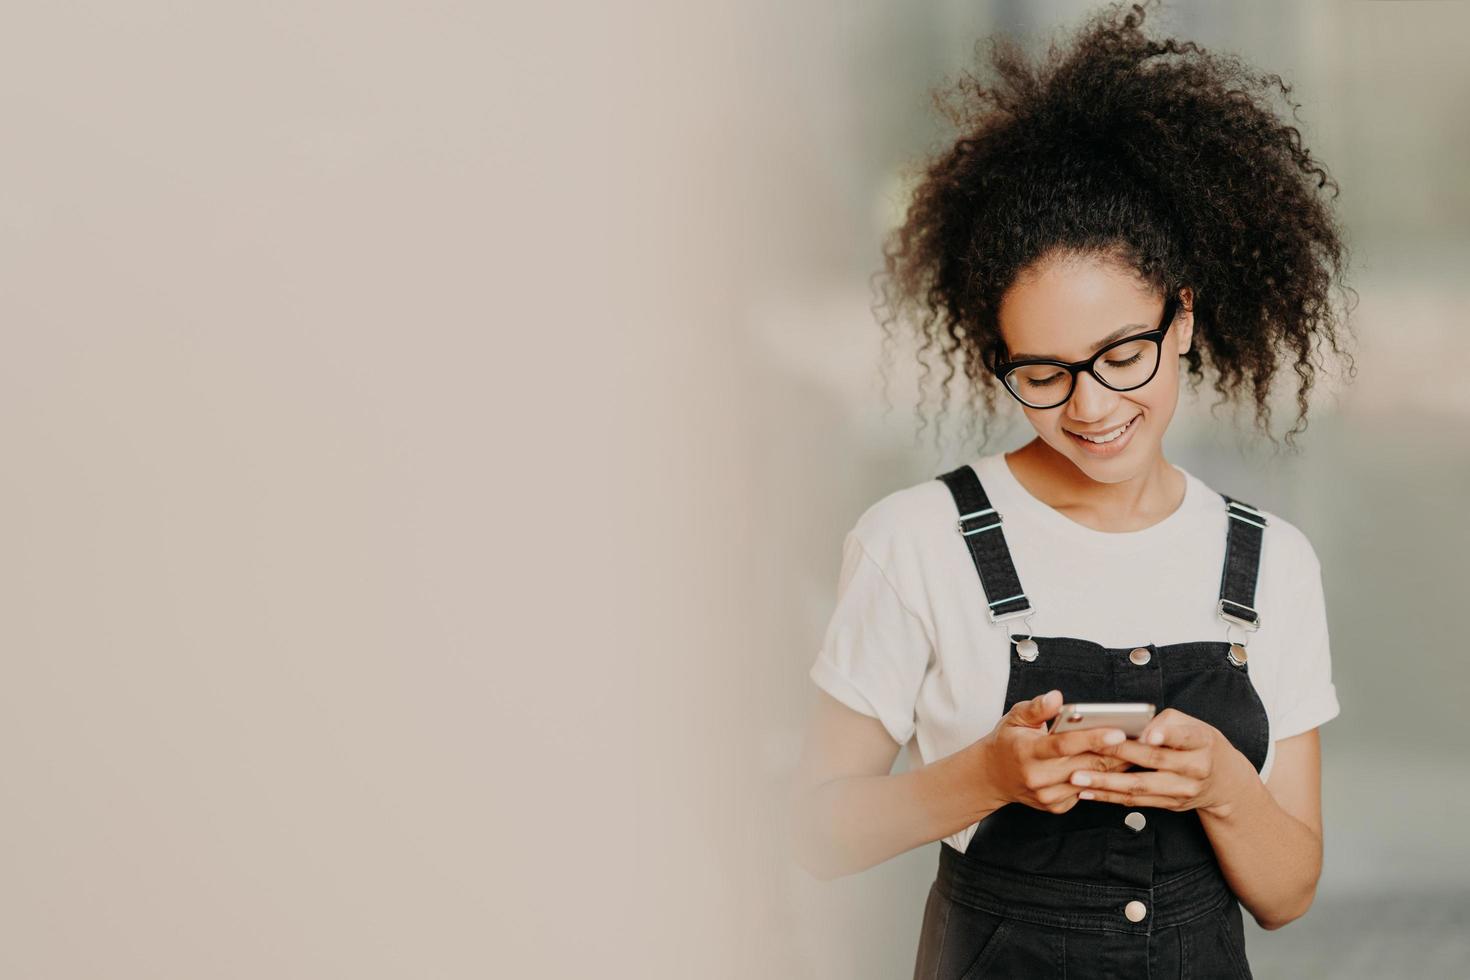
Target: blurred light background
point(430, 432)
point(1378, 485)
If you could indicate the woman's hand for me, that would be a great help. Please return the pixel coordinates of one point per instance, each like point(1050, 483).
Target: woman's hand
point(1195, 767)
point(1025, 764)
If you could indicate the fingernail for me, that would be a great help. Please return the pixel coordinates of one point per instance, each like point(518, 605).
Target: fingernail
point(1086, 795)
point(1114, 737)
point(1081, 779)
point(1155, 738)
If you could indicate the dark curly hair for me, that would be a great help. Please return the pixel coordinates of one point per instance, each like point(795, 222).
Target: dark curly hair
point(1155, 153)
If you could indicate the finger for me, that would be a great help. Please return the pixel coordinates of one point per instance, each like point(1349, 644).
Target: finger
point(1178, 731)
point(1191, 763)
point(1137, 784)
point(1058, 772)
point(1104, 763)
point(1075, 743)
point(1132, 799)
point(1155, 757)
point(1056, 793)
point(1037, 710)
point(1094, 761)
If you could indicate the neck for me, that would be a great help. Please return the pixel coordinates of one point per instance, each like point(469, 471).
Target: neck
point(1129, 505)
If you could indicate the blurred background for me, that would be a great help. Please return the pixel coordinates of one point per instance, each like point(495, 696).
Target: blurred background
point(430, 433)
point(1377, 486)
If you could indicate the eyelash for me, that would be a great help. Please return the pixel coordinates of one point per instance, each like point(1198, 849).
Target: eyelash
point(1044, 382)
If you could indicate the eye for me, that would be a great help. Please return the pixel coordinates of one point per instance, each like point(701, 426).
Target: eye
point(1127, 354)
point(1043, 381)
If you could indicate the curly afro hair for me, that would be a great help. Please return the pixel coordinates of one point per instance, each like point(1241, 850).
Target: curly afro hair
point(1154, 153)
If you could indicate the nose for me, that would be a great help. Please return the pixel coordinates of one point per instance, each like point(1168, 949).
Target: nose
point(1091, 400)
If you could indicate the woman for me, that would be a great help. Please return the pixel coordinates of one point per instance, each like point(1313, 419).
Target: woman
point(1127, 212)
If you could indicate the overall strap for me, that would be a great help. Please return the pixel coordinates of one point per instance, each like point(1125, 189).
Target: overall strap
point(1247, 528)
point(979, 525)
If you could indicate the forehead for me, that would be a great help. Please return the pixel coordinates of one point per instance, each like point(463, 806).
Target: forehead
point(1066, 308)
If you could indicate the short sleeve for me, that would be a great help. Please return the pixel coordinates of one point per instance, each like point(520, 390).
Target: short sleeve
point(875, 651)
point(1307, 695)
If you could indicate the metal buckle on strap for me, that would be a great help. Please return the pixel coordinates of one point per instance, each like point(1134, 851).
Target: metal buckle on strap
point(1255, 517)
point(977, 513)
point(1251, 624)
point(1017, 614)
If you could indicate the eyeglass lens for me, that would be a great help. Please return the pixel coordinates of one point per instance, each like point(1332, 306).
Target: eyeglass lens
point(1048, 385)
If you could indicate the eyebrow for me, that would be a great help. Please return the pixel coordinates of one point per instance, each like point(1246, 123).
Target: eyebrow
point(1118, 334)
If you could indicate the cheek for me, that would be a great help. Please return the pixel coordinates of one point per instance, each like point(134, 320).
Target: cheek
point(1049, 429)
point(1162, 394)
point(1045, 423)
point(1158, 404)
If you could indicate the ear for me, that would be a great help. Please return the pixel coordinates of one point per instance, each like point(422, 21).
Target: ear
point(1184, 335)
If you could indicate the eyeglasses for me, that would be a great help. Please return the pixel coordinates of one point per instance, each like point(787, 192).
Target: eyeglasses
point(1122, 365)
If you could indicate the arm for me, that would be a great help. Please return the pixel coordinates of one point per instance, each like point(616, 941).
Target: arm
point(1269, 838)
point(848, 812)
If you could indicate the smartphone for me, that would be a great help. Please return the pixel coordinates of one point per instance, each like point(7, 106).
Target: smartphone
point(1131, 716)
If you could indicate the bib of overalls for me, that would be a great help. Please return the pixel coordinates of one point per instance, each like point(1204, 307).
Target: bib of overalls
point(1103, 890)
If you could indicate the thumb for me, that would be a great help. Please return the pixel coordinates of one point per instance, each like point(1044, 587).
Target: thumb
point(1038, 709)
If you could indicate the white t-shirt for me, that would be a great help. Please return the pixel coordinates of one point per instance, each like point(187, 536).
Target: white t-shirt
point(910, 642)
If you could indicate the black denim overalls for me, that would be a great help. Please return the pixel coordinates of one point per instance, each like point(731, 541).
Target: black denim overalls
point(1103, 890)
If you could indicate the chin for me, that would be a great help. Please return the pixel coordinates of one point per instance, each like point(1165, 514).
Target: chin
point(1113, 464)
point(1109, 472)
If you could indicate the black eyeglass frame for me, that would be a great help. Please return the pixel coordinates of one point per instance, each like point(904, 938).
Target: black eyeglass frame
point(1003, 368)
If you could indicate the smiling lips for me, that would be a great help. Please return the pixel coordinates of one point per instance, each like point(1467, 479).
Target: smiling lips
point(1108, 441)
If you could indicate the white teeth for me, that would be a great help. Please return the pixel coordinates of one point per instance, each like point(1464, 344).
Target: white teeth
point(1106, 438)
